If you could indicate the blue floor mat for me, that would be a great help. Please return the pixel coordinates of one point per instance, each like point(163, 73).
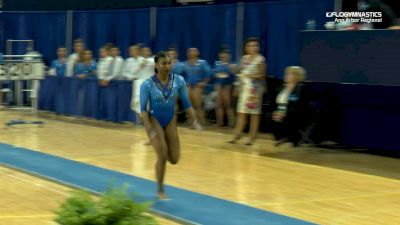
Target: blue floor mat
point(185, 206)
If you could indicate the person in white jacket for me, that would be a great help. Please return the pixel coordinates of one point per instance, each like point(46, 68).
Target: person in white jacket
point(103, 67)
point(147, 63)
point(116, 64)
point(146, 71)
point(71, 60)
point(132, 65)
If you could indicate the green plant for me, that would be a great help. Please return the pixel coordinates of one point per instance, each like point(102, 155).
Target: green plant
point(114, 207)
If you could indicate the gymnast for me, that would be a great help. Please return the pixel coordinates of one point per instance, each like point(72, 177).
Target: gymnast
point(158, 96)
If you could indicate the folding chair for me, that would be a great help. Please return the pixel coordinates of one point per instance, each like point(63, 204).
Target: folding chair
point(305, 135)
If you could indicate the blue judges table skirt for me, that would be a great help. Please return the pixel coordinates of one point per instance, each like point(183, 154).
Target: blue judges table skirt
point(84, 97)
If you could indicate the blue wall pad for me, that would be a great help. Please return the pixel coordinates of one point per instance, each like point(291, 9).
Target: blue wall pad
point(185, 206)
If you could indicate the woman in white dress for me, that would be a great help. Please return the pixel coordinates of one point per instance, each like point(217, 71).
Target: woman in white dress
point(252, 83)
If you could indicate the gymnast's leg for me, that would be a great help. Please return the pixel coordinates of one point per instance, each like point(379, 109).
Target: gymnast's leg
point(160, 146)
point(172, 139)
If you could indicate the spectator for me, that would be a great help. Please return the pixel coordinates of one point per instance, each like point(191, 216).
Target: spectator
point(177, 66)
point(74, 57)
point(146, 71)
point(132, 65)
point(86, 66)
point(197, 73)
point(147, 64)
point(252, 83)
point(58, 66)
point(116, 64)
point(291, 113)
point(224, 78)
point(103, 67)
point(131, 71)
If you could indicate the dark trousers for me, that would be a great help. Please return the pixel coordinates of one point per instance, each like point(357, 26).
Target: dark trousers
point(289, 128)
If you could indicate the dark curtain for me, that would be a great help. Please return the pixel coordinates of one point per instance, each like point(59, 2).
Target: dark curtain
point(120, 27)
point(277, 24)
point(204, 27)
point(47, 29)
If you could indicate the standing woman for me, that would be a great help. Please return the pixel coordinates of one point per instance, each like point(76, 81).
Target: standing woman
point(132, 64)
point(74, 57)
point(147, 64)
point(58, 66)
point(116, 64)
point(103, 66)
point(146, 70)
point(131, 72)
point(157, 102)
point(177, 66)
point(224, 79)
point(86, 66)
point(197, 73)
point(252, 82)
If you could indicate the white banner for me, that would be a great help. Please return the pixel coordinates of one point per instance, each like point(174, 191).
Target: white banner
point(22, 71)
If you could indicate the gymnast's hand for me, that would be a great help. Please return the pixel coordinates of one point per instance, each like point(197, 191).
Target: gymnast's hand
point(151, 132)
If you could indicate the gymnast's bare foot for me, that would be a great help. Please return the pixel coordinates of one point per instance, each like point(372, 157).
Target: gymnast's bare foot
point(234, 140)
point(162, 196)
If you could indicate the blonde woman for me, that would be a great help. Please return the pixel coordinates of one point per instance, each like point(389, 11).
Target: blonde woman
point(292, 109)
point(252, 83)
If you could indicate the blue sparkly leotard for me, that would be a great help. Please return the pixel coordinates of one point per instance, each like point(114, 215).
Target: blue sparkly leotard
point(162, 98)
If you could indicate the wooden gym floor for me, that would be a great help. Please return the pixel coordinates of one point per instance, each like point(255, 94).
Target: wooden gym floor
point(316, 185)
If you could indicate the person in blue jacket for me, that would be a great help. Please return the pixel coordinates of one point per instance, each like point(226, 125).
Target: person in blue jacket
point(177, 66)
point(157, 103)
point(86, 66)
point(224, 79)
point(197, 73)
point(59, 65)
